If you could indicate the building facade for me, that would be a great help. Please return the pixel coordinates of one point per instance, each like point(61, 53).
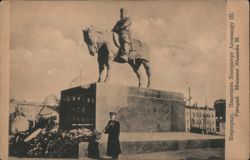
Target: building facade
point(220, 112)
point(31, 110)
point(77, 108)
point(200, 119)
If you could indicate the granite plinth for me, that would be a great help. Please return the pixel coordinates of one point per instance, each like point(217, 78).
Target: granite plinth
point(140, 109)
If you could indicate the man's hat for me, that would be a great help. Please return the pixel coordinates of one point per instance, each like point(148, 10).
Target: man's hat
point(112, 113)
point(123, 10)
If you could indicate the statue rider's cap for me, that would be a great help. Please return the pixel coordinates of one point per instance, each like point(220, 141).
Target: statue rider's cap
point(112, 113)
point(123, 10)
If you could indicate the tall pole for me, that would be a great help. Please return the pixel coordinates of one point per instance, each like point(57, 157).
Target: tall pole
point(189, 101)
point(199, 116)
point(189, 96)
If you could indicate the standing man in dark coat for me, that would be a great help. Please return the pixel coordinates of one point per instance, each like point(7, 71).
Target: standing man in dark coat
point(113, 131)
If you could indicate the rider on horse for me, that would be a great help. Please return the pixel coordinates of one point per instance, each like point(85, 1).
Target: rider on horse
point(122, 29)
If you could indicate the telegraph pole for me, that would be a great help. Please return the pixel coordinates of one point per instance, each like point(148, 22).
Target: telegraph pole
point(189, 103)
point(189, 96)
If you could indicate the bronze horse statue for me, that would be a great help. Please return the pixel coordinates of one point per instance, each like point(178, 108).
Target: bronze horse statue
point(103, 44)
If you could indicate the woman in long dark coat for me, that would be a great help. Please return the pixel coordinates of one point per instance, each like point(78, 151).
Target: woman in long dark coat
point(113, 131)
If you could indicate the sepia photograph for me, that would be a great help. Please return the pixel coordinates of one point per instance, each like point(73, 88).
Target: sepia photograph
point(127, 80)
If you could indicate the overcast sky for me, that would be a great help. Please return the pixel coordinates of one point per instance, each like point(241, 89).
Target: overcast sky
point(186, 40)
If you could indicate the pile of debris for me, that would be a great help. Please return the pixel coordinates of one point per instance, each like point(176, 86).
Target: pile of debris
point(50, 142)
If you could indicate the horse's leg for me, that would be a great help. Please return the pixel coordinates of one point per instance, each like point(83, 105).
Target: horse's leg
point(108, 65)
point(108, 74)
point(101, 68)
point(148, 71)
point(139, 78)
point(136, 67)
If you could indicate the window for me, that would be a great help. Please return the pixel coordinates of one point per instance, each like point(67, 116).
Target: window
point(187, 121)
point(193, 114)
point(192, 122)
point(83, 110)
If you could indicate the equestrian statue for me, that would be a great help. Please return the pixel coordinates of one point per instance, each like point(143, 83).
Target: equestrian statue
point(126, 50)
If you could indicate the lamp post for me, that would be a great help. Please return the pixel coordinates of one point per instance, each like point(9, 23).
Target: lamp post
point(189, 101)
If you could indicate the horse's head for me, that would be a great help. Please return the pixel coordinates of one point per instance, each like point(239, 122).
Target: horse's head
point(91, 39)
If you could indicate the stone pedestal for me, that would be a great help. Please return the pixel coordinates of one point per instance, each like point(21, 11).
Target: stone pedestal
point(140, 109)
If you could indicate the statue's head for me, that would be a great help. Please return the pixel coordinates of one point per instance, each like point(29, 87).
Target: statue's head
point(123, 13)
point(90, 40)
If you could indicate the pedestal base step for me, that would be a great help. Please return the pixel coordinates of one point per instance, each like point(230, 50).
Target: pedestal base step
point(136, 143)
